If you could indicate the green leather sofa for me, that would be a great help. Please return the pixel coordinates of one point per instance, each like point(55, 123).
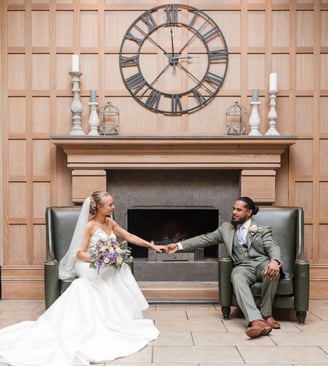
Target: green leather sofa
point(60, 224)
point(293, 291)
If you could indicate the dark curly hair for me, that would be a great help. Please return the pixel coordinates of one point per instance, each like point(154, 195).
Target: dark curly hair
point(249, 204)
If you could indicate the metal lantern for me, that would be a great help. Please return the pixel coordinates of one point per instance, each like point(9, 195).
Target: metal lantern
point(235, 116)
point(110, 120)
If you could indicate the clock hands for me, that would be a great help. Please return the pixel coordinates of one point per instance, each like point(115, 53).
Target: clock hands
point(150, 39)
point(172, 58)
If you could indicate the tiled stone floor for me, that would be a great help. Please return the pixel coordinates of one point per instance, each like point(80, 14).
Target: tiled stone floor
point(196, 335)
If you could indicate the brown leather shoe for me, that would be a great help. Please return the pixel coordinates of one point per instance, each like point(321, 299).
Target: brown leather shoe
point(258, 328)
point(272, 322)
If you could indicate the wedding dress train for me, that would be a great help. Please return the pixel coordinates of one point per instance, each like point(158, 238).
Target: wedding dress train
point(97, 319)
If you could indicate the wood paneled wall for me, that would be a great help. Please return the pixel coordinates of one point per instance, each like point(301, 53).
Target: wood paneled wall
point(38, 38)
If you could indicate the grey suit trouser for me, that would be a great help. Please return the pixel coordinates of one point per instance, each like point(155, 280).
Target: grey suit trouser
point(242, 277)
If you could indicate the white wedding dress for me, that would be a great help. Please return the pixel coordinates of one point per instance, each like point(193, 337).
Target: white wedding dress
point(97, 319)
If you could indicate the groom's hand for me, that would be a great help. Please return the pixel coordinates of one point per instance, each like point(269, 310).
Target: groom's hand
point(171, 248)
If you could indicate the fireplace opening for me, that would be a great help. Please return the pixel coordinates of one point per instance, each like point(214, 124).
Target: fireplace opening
point(166, 225)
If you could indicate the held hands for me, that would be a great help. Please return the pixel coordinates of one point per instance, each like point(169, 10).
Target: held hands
point(168, 249)
point(158, 248)
point(272, 270)
point(171, 248)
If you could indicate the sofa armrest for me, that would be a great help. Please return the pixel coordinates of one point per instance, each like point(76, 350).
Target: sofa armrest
point(225, 285)
point(302, 285)
point(51, 282)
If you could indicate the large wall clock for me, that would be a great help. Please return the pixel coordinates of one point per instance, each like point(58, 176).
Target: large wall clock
point(173, 59)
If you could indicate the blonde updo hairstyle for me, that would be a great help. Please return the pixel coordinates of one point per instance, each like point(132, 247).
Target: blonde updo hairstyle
point(96, 199)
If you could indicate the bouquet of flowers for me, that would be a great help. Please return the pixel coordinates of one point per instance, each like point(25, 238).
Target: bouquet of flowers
point(109, 253)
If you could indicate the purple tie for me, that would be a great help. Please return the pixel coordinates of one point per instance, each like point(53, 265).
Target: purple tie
point(240, 235)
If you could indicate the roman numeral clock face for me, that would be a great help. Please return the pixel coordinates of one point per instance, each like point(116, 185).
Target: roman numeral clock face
point(173, 59)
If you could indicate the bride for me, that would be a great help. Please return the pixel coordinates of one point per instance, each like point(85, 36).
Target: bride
point(99, 317)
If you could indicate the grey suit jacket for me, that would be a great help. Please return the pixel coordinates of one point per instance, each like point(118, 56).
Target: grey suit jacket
point(261, 245)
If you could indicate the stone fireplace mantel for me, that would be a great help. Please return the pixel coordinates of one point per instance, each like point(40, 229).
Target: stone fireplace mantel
point(257, 158)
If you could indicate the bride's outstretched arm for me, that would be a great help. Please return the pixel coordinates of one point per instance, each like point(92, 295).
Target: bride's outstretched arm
point(136, 240)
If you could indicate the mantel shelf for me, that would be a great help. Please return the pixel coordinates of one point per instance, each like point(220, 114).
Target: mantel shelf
point(173, 152)
point(257, 158)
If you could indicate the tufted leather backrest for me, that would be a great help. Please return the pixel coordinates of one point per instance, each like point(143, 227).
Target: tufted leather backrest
point(287, 229)
point(61, 223)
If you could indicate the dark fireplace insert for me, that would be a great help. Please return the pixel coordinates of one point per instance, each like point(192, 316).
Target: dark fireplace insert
point(165, 225)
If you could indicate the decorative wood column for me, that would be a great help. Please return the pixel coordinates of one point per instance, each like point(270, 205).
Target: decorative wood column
point(257, 158)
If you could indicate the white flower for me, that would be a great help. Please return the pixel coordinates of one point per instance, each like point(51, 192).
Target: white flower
point(254, 229)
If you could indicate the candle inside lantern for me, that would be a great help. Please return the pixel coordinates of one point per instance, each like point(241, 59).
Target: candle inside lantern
point(273, 81)
point(255, 97)
point(93, 96)
point(75, 63)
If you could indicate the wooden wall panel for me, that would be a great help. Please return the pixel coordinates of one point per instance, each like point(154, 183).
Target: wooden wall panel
point(18, 198)
point(304, 158)
point(40, 72)
point(39, 248)
point(283, 116)
point(304, 197)
point(16, 37)
point(304, 28)
point(256, 28)
point(18, 251)
point(323, 106)
point(304, 116)
point(17, 151)
point(90, 77)
point(323, 157)
point(280, 29)
point(256, 75)
point(38, 38)
point(323, 243)
point(323, 207)
point(16, 117)
point(64, 29)
point(308, 242)
point(40, 21)
point(225, 19)
point(41, 200)
point(89, 29)
point(323, 28)
point(16, 72)
point(323, 71)
point(304, 71)
point(41, 158)
point(41, 118)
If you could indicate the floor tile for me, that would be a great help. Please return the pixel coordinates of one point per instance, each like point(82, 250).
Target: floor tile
point(263, 355)
point(197, 354)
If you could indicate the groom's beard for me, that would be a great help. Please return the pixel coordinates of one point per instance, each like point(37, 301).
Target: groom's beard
point(235, 222)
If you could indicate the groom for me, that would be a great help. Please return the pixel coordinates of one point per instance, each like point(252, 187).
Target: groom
point(256, 257)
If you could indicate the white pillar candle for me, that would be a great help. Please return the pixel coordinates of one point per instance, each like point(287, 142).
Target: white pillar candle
point(273, 81)
point(75, 63)
point(93, 96)
point(255, 97)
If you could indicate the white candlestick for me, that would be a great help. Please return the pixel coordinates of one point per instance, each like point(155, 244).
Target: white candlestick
point(75, 63)
point(273, 81)
point(254, 119)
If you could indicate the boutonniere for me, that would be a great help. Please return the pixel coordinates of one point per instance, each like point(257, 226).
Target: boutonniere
point(255, 229)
